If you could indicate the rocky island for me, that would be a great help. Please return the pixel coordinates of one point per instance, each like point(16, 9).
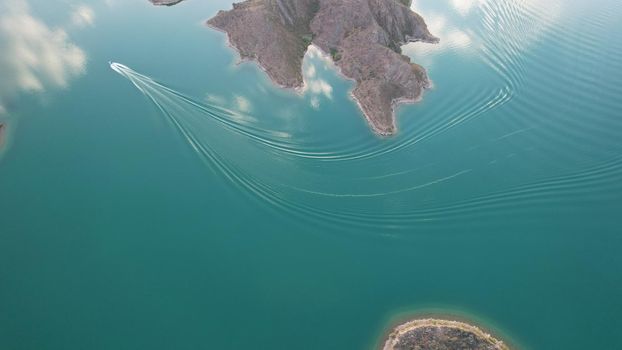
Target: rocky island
point(363, 37)
point(165, 2)
point(2, 128)
point(433, 334)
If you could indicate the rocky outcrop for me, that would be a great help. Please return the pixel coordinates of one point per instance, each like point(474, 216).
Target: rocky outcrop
point(275, 33)
point(363, 38)
point(432, 334)
point(166, 2)
point(2, 132)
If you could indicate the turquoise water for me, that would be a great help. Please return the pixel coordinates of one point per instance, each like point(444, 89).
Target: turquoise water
point(176, 200)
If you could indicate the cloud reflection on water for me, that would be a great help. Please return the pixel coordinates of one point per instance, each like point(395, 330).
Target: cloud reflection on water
point(455, 22)
point(35, 56)
point(83, 16)
point(315, 86)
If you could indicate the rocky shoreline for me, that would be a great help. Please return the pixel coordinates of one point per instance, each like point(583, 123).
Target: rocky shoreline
point(165, 2)
point(2, 132)
point(438, 334)
point(363, 38)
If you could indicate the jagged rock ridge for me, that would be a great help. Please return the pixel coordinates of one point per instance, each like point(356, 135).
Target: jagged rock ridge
point(362, 36)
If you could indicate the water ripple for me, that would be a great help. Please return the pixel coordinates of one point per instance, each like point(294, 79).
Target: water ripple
point(261, 164)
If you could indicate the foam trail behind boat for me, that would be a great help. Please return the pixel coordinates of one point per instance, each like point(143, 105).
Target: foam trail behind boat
point(259, 165)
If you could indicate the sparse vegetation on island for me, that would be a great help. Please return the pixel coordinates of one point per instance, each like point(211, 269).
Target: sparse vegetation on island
point(436, 334)
point(363, 38)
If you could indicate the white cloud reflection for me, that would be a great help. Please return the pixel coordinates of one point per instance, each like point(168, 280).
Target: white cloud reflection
point(464, 6)
point(441, 25)
point(456, 24)
point(83, 16)
point(242, 103)
point(34, 56)
point(315, 86)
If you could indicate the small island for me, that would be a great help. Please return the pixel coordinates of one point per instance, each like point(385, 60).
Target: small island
point(363, 38)
point(2, 131)
point(434, 334)
point(165, 2)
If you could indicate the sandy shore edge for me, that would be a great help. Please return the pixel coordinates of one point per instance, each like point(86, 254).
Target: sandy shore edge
point(411, 325)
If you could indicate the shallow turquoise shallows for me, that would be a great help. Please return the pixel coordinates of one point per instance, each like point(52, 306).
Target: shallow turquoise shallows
point(155, 194)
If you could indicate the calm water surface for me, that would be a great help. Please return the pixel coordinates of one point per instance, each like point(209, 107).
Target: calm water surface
point(156, 195)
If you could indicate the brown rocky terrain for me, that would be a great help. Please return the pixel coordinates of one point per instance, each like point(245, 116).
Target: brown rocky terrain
point(166, 2)
point(363, 38)
point(431, 334)
point(2, 130)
